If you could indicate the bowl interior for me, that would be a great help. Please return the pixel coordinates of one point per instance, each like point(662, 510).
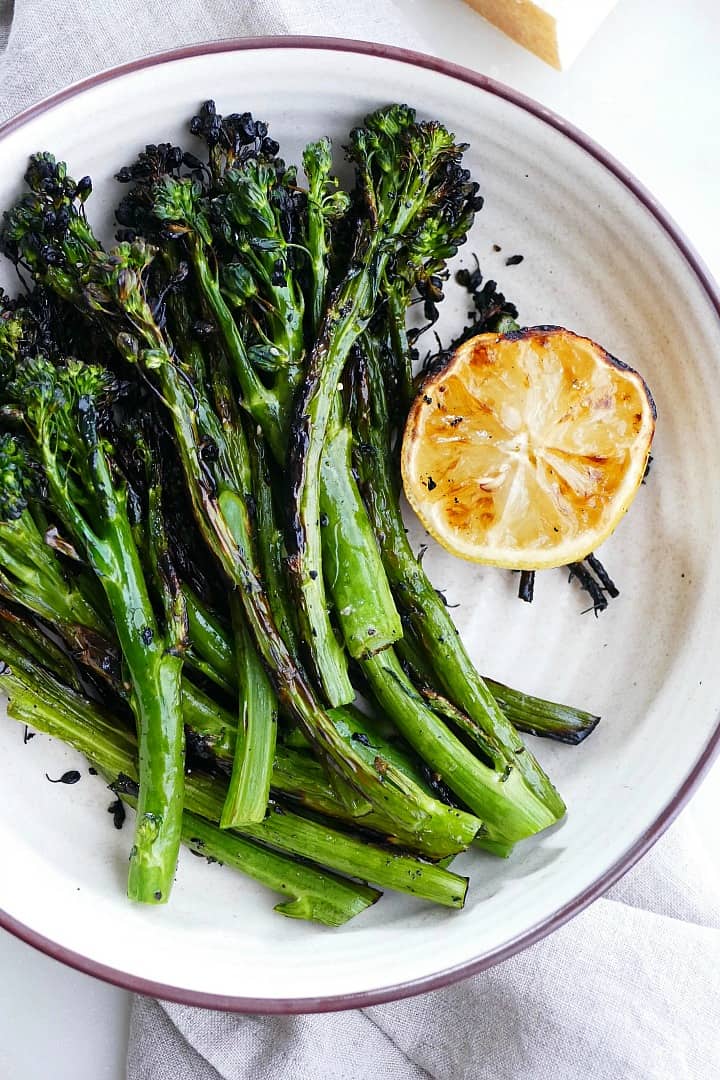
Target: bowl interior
point(595, 260)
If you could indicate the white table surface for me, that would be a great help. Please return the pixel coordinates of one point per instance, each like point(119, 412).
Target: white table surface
point(647, 87)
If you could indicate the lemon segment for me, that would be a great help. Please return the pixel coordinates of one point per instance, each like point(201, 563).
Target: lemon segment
point(527, 449)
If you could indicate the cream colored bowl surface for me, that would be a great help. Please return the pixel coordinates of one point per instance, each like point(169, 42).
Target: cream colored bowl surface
point(600, 258)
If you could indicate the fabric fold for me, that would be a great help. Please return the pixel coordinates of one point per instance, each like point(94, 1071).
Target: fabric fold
point(51, 45)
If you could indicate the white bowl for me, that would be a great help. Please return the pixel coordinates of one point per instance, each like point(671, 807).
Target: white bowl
point(600, 257)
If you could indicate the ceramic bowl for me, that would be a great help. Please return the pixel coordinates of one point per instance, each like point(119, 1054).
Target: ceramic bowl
point(600, 257)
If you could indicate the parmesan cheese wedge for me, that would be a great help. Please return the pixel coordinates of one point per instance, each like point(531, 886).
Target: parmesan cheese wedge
point(555, 30)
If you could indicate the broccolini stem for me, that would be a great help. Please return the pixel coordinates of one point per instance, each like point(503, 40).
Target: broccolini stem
point(353, 568)
point(206, 719)
point(31, 574)
point(544, 718)
point(461, 722)
point(224, 520)
point(347, 315)
point(510, 810)
point(210, 639)
point(271, 544)
point(264, 406)
point(527, 713)
point(498, 848)
point(343, 853)
point(155, 667)
point(308, 891)
point(33, 640)
point(249, 787)
point(416, 596)
point(156, 701)
point(66, 715)
point(256, 398)
point(367, 617)
point(326, 204)
point(195, 662)
point(401, 351)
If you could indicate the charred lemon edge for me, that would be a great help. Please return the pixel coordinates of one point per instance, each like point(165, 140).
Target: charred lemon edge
point(559, 555)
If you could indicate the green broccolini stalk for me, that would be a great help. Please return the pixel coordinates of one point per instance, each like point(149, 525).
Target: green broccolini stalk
point(510, 809)
point(424, 608)
point(61, 408)
point(55, 598)
point(210, 640)
point(111, 289)
point(547, 719)
point(247, 796)
point(45, 704)
point(368, 618)
point(249, 787)
point(38, 699)
point(327, 204)
point(254, 191)
point(311, 893)
point(250, 781)
point(351, 560)
point(527, 713)
point(30, 573)
point(414, 192)
point(272, 552)
point(33, 640)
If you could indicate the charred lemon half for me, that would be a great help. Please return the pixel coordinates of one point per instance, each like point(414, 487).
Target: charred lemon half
point(527, 448)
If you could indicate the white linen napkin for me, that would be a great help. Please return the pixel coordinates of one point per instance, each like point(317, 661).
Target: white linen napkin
point(52, 44)
point(630, 989)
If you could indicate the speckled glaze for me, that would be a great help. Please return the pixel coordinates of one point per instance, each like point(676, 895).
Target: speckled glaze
point(600, 257)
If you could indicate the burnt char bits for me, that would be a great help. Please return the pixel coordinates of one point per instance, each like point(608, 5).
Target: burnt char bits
point(70, 777)
point(117, 809)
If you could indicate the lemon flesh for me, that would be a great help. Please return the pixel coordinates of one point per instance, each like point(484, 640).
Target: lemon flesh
point(528, 448)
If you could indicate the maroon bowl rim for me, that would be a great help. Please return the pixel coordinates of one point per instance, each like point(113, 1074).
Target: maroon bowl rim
point(641, 846)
